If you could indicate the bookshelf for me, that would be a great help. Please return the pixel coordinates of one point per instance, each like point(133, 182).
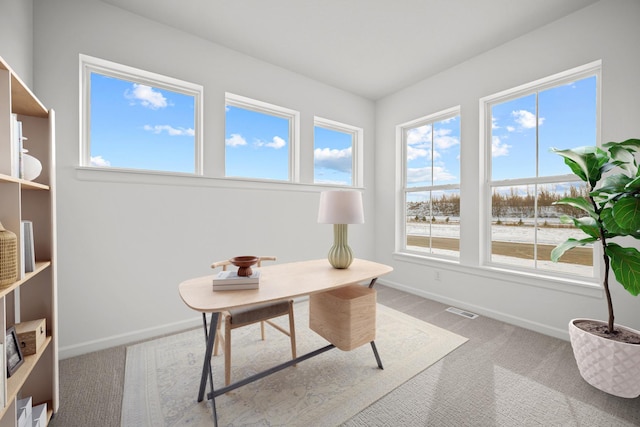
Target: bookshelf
point(33, 295)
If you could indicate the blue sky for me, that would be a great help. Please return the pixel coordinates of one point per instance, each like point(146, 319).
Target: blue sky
point(566, 119)
point(136, 126)
point(140, 127)
point(333, 156)
point(257, 146)
point(433, 153)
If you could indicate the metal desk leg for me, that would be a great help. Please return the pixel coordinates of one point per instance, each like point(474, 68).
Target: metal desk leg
point(375, 353)
point(373, 344)
point(206, 367)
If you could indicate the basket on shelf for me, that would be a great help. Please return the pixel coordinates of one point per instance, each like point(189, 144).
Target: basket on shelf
point(8, 257)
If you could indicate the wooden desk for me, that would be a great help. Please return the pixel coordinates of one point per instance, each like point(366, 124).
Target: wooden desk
point(277, 282)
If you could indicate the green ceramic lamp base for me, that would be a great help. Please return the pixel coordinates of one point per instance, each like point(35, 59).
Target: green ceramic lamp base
point(340, 254)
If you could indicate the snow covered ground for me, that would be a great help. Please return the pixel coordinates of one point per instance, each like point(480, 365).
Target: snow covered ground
point(510, 233)
point(502, 233)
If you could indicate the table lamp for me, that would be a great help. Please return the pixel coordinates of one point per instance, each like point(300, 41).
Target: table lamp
point(340, 208)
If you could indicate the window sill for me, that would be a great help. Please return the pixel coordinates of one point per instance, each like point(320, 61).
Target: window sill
point(133, 176)
point(573, 286)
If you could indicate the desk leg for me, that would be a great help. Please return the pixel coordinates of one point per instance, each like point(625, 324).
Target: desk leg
point(373, 344)
point(375, 353)
point(206, 367)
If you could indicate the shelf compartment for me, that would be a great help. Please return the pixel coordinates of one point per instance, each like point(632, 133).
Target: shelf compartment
point(27, 185)
point(17, 380)
point(40, 266)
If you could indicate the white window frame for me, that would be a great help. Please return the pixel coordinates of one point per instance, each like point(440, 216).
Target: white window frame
point(292, 116)
point(357, 141)
point(89, 64)
point(401, 210)
point(559, 79)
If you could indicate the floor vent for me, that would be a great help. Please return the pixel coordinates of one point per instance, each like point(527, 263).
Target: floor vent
point(462, 313)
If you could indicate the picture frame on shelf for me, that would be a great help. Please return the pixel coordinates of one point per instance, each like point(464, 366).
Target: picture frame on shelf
point(14, 355)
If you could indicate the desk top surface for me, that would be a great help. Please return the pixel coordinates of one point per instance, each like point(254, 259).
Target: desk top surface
point(279, 281)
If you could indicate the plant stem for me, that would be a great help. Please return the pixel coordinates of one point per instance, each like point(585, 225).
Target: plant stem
point(605, 281)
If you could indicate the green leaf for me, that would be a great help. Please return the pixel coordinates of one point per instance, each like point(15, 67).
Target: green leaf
point(626, 213)
point(610, 224)
point(586, 162)
point(586, 224)
point(623, 154)
point(625, 263)
point(614, 184)
point(570, 243)
point(577, 202)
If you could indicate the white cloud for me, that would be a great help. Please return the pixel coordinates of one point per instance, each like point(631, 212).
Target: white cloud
point(526, 119)
point(331, 158)
point(99, 162)
point(146, 96)
point(499, 148)
point(443, 140)
point(419, 136)
point(510, 128)
point(414, 153)
point(440, 174)
point(236, 140)
point(276, 143)
point(170, 130)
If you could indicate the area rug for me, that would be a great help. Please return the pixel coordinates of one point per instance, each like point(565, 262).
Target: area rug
point(162, 376)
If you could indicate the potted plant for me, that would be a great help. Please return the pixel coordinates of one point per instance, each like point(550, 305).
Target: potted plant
point(607, 354)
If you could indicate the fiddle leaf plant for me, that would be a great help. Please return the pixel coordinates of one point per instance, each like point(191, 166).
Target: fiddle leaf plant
point(611, 208)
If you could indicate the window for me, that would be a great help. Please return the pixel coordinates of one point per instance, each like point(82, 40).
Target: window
point(134, 119)
point(525, 177)
point(431, 184)
point(336, 154)
point(260, 140)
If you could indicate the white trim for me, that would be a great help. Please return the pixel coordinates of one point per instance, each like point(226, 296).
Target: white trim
point(357, 146)
point(127, 338)
point(89, 64)
point(401, 174)
point(135, 176)
point(558, 79)
point(485, 147)
point(493, 314)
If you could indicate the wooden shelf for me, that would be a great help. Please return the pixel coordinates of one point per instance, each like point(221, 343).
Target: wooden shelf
point(23, 101)
point(33, 296)
point(28, 185)
point(17, 380)
point(40, 266)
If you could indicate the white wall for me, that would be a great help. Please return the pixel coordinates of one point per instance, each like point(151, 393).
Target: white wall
point(16, 37)
point(608, 30)
point(126, 241)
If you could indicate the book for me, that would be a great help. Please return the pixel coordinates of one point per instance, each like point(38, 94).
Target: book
point(16, 146)
point(231, 277)
point(236, 287)
point(229, 280)
point(28, 255)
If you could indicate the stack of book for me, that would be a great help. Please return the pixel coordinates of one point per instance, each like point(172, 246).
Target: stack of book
point(230, 281)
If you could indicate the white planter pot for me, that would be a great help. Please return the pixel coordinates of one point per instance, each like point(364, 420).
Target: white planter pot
point(611, 366)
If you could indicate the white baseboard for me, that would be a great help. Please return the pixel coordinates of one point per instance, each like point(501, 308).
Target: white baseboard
point(131, 337)
point(562, 334)
point(116, 340)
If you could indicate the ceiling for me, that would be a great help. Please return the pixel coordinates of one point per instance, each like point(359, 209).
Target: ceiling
point(368, 47)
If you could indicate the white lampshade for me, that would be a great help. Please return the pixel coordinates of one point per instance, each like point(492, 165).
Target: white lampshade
point(341, 207)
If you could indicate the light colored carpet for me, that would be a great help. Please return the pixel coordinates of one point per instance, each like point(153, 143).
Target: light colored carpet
point(162, 376)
